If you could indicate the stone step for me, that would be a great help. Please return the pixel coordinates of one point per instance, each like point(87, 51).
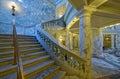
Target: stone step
point(5, 36)
point(31, 42)
point(59, 75)
point(18, 36)
point(22, 40)
point(46, 73)
point(10, 44)
point(32, 71)
point(71, 77)
point(5, 49)
point(9, 60)
point(6, 54)
point(5, 40)
point(5, 71)
point(10, 76)
point(27, 51)
point(26, 64)
point(36, 61)
point(26, 38)
point(25, 47)
point(30, 45)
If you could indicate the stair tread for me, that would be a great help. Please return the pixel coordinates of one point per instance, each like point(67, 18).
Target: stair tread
point(46, 72)
point(71, 77)
point(33, 60)
point(24, 55)
point(27, 42)
point(4, 68)
point(33, 68)
point(6, 52)
point(10, 76)
point(36, 62)
point(29, 45)
point(31, 49)
point(6, 47)
point(6, 43)
point(59, 75)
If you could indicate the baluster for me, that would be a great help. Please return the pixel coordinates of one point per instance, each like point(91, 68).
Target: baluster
point(56, 50)
point(72, 61)
point(44, 39)
point(61, 54)
point(83, 68)
point(49, 43)
point(51, 46)
point(66, 57)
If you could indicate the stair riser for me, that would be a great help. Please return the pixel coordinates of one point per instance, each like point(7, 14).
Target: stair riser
point(19, 37)
point(31, 51)
point(6, 62)
point(12, 70)
point(7, 72)
point(25, 40)
point(51, 74)
point(11, 54)
point(29, 43)
point(36, 62)
point(6, 44)
point(28, 76)
point(10, 40)
point(6, 49)
point(6, 37)
point(3, 63)
point(29, 47)
point(33, 56)
point(6, 40)
point(63, 77)
point(6, 55)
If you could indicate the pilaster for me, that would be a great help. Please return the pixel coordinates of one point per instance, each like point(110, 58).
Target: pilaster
point(112, 41)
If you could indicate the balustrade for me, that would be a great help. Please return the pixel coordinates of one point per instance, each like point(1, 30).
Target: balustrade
point(62, 53)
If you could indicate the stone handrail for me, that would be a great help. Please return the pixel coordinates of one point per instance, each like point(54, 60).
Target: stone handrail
point(61, 52)
point(58, 22)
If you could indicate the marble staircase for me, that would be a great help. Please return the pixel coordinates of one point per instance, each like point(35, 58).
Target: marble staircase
point(37, 64)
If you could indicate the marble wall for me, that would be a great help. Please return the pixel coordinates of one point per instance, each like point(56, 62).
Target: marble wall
point(31, 13)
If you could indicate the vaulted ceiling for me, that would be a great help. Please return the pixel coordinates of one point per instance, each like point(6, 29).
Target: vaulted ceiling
point(107, 12)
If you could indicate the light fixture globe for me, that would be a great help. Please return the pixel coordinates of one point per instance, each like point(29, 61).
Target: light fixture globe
point(13, 10)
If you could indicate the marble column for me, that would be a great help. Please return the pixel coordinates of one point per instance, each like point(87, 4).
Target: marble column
point(86, 40)
point(112, 41)
point(71, 41)
point(67, 38)
point(97, 41)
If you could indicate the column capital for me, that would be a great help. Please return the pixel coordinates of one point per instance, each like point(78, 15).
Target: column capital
point(87, 11)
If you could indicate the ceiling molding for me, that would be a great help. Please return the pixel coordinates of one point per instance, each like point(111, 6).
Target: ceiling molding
point(115, 14)
point(51, 3)
point(97, 3)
